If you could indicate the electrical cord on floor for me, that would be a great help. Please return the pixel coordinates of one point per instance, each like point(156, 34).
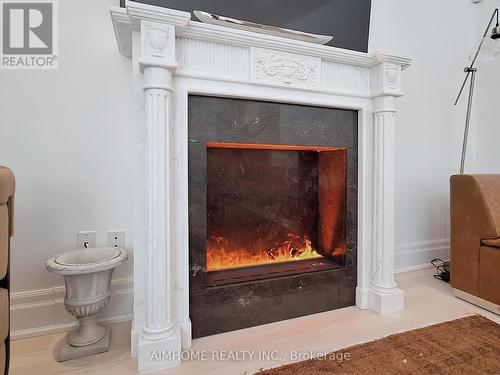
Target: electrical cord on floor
point(442, 269)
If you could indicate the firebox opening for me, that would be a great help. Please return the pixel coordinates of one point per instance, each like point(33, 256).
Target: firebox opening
point(274, 210)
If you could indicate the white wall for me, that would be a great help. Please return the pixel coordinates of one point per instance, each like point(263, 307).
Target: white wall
point(429, 128)
point(486, 108)
point(68, 136)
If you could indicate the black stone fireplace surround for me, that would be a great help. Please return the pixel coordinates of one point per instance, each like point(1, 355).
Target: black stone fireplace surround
point(235, 305)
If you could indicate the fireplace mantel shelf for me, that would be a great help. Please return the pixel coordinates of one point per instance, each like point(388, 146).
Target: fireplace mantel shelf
point(173, 57)
point(241, 54)
point(124, 21)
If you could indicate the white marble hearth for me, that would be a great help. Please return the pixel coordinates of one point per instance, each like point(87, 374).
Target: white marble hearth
point(173, 57)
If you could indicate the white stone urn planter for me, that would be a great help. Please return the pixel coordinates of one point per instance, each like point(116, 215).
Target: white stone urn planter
point(87, 274)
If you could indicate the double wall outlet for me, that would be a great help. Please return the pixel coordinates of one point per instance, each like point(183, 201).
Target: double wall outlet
point(87, 238)
point(116, 238)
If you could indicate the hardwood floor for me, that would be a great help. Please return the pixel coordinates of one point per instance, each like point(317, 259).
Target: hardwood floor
point(427, 300)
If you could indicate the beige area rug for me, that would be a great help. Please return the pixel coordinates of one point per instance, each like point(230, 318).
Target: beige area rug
point(469, 345)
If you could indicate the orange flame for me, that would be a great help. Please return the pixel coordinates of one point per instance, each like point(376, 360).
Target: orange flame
point(221, 256)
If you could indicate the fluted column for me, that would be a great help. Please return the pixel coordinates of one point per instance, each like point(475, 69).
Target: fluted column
point(160, 333)
point(384, 296)
point(159, 315)
point(383, 194)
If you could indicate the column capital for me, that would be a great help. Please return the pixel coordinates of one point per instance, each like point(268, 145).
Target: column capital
point(157, 46)
point(384, 103)
point(128, 19)
point(386, 80)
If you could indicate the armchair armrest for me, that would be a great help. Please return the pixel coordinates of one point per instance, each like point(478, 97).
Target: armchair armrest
point(475, 216)
point(495, 242)
point(7, 188)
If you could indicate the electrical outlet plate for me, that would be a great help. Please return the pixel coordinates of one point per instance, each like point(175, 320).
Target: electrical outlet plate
point(85, 237)
point(116, 238)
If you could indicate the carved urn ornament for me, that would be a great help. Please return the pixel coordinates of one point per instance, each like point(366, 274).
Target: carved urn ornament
point(286, 70)
point(87, 274)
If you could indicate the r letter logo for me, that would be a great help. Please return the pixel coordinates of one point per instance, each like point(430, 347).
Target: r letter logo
point(29, 34)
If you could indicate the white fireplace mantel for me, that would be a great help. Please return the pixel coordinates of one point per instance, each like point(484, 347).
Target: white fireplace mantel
point(173, 57)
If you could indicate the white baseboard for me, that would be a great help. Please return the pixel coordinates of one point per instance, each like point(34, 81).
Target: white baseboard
point(418, 255)
point(417, 267)
point(41, 311)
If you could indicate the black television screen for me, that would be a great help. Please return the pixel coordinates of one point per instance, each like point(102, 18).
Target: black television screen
point(348, 21)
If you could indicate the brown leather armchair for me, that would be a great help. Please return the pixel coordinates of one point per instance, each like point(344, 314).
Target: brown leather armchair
point(7, 188)
point(475, 239)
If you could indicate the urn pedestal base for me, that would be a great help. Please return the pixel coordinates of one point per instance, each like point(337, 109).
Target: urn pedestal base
point(68, 352)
